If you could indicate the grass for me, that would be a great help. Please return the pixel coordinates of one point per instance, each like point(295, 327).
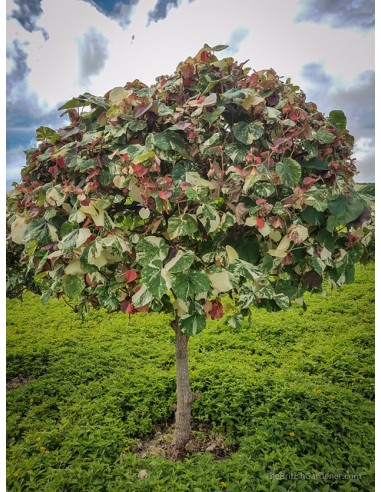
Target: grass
point(292, 393)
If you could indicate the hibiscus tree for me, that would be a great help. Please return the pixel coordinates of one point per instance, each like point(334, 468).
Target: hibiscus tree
point(214, 181)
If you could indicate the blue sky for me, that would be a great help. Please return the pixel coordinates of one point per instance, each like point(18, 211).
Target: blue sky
point(59, 49)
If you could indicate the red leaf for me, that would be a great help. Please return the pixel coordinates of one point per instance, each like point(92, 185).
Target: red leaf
point(139, 170)
point(213, 309)
point(93, 173)
point(85, 202)
point(53, 170)
point(142, 309)
point(60, 162)
point(143, 108)
point(127, 307)
point(204, 55)
point(260, 223)
point(308, 181)
point(164, 194)
point(131, 275)
point(217, 310)
point(288, 260)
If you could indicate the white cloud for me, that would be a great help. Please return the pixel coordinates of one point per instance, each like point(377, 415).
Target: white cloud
point(273, 40)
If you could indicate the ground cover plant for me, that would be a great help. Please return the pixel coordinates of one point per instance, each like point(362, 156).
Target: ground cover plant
point(289, 393)
point(215, 180)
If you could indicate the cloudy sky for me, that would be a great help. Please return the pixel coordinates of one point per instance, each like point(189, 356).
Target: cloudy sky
point(58, 49)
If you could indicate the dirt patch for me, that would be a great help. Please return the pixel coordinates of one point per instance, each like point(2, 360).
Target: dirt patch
point(203, 440)
point(17, 381)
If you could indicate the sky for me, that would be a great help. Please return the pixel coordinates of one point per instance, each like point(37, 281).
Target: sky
point(58, 49)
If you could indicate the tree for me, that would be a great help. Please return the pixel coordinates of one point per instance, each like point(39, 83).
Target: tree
point(212, 182)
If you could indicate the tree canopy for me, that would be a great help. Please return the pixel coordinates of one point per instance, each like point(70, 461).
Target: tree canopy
point(215, 180)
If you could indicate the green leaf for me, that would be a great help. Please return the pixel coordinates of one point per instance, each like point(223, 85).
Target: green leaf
point(220, 47)
point(237, 152)
point(85, 99)
point(142, 297)
point(318, 264)
point(246, 133)
point(180, 169)
point(227, 221)
point(338, 118)
point(85, 165)
point(282, 300)
point(68, 242)
point(272, 114)
point(163, 109)
point(237, 95)
point(46, 133)
point(209, 217)
point(153, 278)
point(315, 163)
point(345, 209)
point(184, 225)
point(181, 262)
point(236, 320)
point(289, 171)
point(107, 298)
point(194, 321)
point(326, 239)
point(137, 125)
point(168, 140)
point(38, 230)
point(84, 260)
point(186, 285)
point(74, 103)
point(245, 269)
point(72, 285)
point(248, 249)
point(264, 189)
point(312, 216)
point(324, 136)
point(150, 248)
point(210, 142)
point(135, 150)
point(211, 117)
point(317, 199)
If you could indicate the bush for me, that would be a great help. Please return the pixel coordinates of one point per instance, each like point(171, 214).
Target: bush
point(291, 392)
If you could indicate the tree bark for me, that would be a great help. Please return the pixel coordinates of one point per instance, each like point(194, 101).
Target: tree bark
point(183, 392)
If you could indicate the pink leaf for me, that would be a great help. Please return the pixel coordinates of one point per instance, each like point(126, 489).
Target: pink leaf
point(308, 181)
point(217, 310)
point(260, 223)
point(53, 170)
point(60, 162)
point(131, 275)
point(164, 194)
point(127, 307)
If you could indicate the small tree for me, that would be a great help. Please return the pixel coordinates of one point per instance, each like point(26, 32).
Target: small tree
point(214, 181)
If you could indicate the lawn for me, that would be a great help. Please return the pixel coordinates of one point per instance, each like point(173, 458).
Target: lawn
point(289, 397)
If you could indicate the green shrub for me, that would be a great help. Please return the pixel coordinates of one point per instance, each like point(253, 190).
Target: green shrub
point(291, 392)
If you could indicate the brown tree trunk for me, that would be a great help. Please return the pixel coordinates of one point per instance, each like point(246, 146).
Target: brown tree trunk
point(183, 393)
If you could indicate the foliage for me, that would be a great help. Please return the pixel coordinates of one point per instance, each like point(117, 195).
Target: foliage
point(213, 180)
point(292, 392)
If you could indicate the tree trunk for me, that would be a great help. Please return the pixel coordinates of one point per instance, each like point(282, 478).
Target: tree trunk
point(183, 393)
